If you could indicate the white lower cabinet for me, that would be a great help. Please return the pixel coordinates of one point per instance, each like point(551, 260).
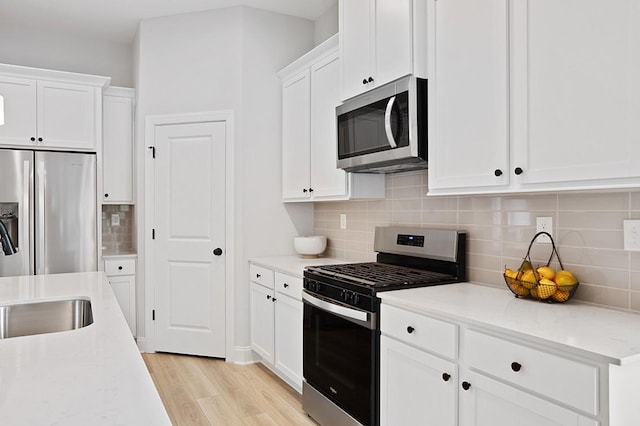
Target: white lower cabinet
point(122, 277)
point(492, 380)
point(276, 322)
point(416, 388)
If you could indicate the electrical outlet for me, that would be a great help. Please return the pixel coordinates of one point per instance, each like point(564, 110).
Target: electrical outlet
point(115, 219)
point(343, 221)
point(544, 224)
point(632, 235)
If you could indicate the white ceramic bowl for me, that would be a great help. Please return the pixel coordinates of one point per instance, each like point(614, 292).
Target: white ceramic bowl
point(310, 246)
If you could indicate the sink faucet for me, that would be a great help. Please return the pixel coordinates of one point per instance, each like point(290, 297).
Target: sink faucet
point(7, 245)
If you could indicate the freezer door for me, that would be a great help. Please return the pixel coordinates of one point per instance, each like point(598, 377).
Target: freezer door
point(16, 210)
point(65, 199)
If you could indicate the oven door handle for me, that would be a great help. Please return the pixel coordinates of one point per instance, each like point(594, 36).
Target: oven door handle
point(364, 318)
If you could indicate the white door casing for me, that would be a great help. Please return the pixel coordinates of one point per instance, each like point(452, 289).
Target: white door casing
point(187, 285)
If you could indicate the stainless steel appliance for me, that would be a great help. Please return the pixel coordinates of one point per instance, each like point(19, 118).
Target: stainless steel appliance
point(384, 130)
point(51, 198)
point(341, 334)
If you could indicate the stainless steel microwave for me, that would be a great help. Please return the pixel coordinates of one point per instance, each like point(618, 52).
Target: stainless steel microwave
point(384, 130)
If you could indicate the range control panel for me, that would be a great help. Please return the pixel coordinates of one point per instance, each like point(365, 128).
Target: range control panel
point(410, 240)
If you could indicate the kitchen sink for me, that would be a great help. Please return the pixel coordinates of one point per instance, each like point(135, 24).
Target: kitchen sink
point(25, 319)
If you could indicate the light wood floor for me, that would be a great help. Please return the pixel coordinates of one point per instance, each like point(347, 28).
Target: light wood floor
point(205, 391)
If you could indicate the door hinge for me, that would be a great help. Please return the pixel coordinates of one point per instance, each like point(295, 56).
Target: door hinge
point(153, 233)
point(153, 314)
point(153, 151)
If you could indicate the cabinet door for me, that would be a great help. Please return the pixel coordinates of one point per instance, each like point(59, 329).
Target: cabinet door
point(124, 288)
point(66, 115)
point(117, 149)
point(415, 388)
point(295, 137)
point(289, 338)
point(490, 403)
point(356, 46)
point(262, 321)
point(576, 90)
point(393, 40)
point(468, 91)
point(19, 111)
point(326, 179)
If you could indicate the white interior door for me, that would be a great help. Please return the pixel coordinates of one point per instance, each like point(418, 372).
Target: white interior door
point(189, 272)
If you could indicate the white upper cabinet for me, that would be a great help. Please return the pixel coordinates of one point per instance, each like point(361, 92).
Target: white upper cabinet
point(117, 145)
point(51, 109)
point(380, 41)
point(468, 85)
point(309, 133)
point(533, 96)
point(19, 111)
point(295, 136)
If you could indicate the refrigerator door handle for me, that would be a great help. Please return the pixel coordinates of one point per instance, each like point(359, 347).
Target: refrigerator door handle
point(40, 260)
point(25, 238)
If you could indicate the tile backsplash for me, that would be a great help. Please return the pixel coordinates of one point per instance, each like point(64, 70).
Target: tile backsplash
point(587, 229)
point(117, 237)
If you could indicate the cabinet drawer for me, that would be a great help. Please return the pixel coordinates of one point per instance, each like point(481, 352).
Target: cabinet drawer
point(261, 275)
point(120, 267)
point(289, 285)
point(424, 332)
point(553, 376)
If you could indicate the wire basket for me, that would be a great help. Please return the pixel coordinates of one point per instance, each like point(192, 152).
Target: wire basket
point(546, 285)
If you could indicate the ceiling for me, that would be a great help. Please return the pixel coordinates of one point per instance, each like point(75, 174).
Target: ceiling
point(117, 20)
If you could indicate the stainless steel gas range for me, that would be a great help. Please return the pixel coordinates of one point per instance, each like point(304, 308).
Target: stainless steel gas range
point(341, 334)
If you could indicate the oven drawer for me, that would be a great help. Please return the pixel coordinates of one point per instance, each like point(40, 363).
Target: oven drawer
point(289, 285)
point(562, 379)
point(424, 332)
point(261, 275)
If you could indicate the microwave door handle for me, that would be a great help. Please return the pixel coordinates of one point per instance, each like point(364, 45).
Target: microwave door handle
point(387, 123)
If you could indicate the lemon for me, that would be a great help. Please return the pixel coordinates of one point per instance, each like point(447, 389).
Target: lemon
point(510, 273)
point(528, 279)
point(546, 288)
point(560, 296)
point(546, 272)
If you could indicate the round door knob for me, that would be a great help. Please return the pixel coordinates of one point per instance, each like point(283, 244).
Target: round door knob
point(258, 275)
point(268, 297)
point(286, 285)
point(516, 366)
point(364, 81)
point(518, 171)
point(370, 80)
point(273, 299)
point(410, 329)
point(39, 139)
point(304, 190)
point(106, 195)
point(119, 268)
point(466, 385)
point(310, 189)
point(498, 172)
point(446, 377)
point(33, 139)
point(217, 251)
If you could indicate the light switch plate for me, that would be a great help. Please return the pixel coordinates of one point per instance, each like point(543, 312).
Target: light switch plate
point(115, 219)
point(343, 221)
point(632, 235)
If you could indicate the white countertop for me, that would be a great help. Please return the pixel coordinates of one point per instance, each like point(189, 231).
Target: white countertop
point(90, 376)
point(293, 265)
point(604, 334)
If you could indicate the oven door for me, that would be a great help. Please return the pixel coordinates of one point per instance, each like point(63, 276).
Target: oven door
point(340, 349)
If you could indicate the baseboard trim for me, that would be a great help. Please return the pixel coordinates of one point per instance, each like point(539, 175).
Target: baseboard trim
point(244, 355)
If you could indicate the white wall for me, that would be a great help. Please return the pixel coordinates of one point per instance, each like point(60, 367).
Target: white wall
point(326, 25)
point(227, 60)
point(34, 48)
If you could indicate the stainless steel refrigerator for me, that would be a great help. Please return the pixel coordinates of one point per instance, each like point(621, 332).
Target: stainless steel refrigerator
point(48, 212)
